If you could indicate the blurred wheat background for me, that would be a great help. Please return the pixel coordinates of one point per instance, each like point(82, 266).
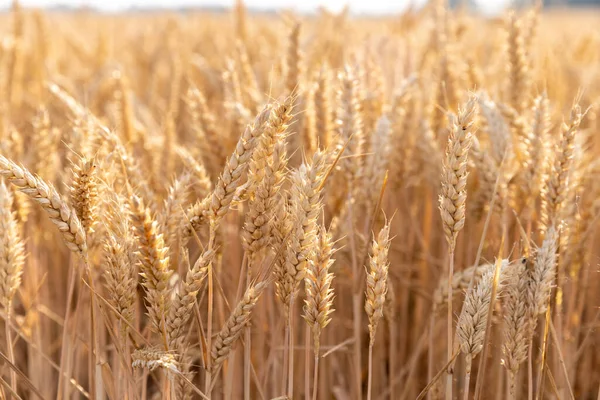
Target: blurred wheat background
point(242, 205)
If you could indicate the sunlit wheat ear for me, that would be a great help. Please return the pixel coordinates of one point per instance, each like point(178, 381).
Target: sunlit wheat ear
point(57, 209)
point(84, 193)
point(305, 207)
point(318, 304)
point(154, 265)
point(263, 208)
point(120, 278)
point(274, 131)
point(266, 176)
point(472, 321)
point(235, 167)
point(453, 195)
point(216, 204)
point(12, 250)
point(235, 325)
point(542, 275)
point(516, 317)
point(556, 189)
point(185, 298)
point(377, 276)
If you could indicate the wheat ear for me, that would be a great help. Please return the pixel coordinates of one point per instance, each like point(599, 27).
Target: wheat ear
point(556, 190)
point(377, 279)
point(473, 319)
point(184, 300)
point(154, 265)
point(318, 304)
point(319, 291)
point(375, 294)
point(516, 322)
point(306, 204)
point(454, 176)
point(236, 166)
point(266, 175)
point(12, 250)
point(12, 260)
point(59, 212)
point(84, 193)
point(543, 275)
point(234, 326)
point(120, 280)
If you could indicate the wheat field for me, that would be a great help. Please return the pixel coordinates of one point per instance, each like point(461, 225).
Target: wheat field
point(240, 205)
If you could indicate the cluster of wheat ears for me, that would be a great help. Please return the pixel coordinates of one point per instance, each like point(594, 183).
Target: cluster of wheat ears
point(256, 206)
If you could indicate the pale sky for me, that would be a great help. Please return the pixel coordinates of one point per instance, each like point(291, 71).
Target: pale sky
point(373, 6)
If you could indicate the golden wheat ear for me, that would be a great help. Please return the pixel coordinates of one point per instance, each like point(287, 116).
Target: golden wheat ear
point(64, 217)
point(12, 250)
